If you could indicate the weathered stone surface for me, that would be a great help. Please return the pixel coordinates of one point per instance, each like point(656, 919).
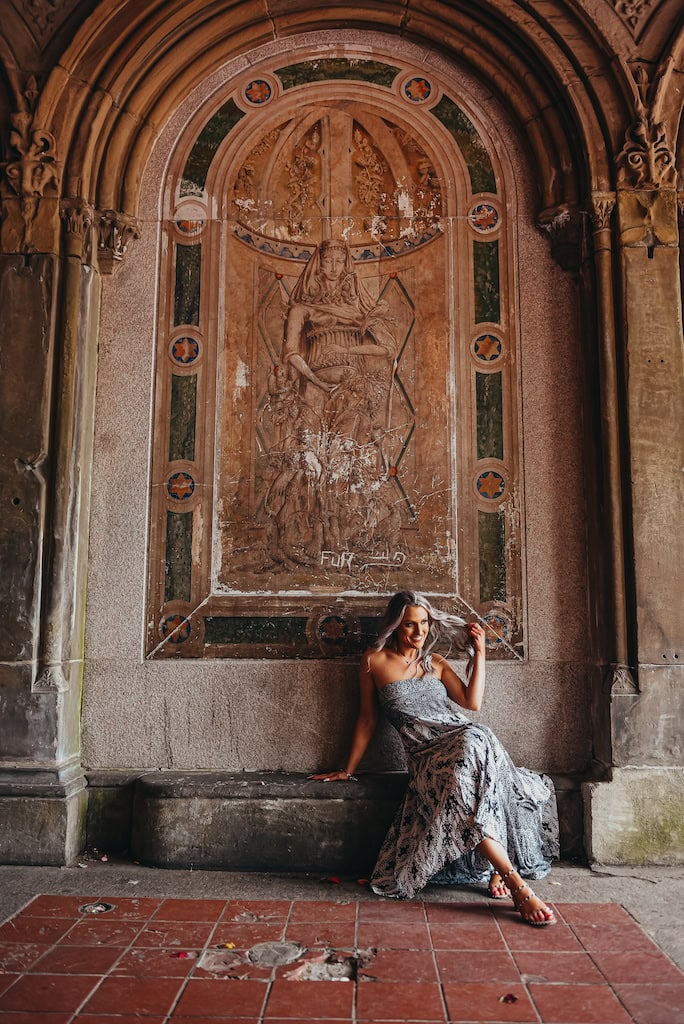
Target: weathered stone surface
point(42, 815)
point(647, 727)
point(282, 821)
point(636, 818)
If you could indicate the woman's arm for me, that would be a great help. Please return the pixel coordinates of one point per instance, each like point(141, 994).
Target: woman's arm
point(467, 696)
point(364, 728)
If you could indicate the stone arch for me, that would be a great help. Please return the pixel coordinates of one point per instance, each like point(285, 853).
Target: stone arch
point(108, 111)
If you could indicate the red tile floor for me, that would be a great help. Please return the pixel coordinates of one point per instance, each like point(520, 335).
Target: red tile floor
point(186, 961)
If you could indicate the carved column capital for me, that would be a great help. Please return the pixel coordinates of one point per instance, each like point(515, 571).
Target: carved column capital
point(115, 232)
point(563, 226)
point(77, 221)
point(602, 207)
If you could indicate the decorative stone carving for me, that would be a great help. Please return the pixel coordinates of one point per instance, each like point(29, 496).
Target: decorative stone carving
point(77, 220)
point(634, 12)
point(602, 208)
point(50, 680)
point(646, 160)
point(622, 680)
point(33, 171)
point(115, 233)
point(563, 227)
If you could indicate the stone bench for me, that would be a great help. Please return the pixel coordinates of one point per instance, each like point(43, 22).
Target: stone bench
point(263, 821)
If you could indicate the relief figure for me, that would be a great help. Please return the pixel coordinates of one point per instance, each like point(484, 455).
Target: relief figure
point(331, 399)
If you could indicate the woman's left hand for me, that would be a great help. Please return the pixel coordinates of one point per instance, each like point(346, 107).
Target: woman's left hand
point(477, 635)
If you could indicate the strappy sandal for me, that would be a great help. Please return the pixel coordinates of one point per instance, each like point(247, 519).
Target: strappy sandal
point(519, 902)
point(497, 882)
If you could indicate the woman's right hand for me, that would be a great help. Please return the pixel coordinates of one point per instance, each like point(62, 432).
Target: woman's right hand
point(338, 776)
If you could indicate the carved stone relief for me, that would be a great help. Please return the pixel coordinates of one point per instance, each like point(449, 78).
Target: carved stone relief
point(337, 284)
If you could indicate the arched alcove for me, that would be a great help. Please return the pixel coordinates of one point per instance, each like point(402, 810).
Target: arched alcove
point(221, 682)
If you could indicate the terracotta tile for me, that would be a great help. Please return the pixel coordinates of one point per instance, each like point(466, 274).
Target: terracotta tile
point(40, 930)
point(131, 908)
point(183, 934)
point(593, 913)
point(578, 1004)
point(577, 968)
point(521, 936)
point(653, 1004)
point(190, 910)
point(637, 967)
point(476, 966)
point(393, 935)
point(458, 913)
point(197, 1020)
point(56, 906)
point(246, 935)
point(155, 963)
point(134, 995)
point(401, 965)
point(223, 998)
point(77, 960)
point(99, 932)
point(257, 910)
point(481, 1001)
point(304, 999)
point(318, 910)
point(391, 910)
point(614, 938)
point(111, 1018)
point(18, 956)
point(6, 980)
point(327, 933)
point(483, 935)
point(407, 1001)
point(229, 964)
point(48, 992)
point(37, 1018)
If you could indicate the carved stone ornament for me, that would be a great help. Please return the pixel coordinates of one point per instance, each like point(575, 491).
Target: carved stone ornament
point(115, 233)
point(77, 220)
point(646, 161)
point(602, 206)
point(622, 680)
point(33, 172)
point(634, 12)
point(562, 225)
point(50, 680)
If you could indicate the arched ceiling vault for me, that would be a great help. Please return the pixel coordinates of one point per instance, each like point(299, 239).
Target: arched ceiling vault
point(132, 63)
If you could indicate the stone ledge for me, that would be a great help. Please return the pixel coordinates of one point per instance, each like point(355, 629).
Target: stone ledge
point(263, 821)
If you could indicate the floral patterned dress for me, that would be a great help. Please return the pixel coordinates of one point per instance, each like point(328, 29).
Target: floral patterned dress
point(463, 787)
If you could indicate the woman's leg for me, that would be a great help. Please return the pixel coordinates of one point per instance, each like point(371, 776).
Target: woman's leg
point(532, 909)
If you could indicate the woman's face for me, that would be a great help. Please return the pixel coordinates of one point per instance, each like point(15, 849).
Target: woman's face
point(414, 627)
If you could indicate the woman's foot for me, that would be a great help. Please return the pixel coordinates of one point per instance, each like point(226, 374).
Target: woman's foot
point(497, 888)
point(532, 910)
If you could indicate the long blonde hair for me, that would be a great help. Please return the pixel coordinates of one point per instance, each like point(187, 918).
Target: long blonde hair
point(443, 625)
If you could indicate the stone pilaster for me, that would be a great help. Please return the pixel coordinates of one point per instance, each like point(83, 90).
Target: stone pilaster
point(632, 819)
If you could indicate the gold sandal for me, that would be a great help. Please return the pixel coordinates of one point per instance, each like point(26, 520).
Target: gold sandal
point(519, 902)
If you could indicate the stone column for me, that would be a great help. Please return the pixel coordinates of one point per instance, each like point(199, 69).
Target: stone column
point(637, 817)
point(49, 296)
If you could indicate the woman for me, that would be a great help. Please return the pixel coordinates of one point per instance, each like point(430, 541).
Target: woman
point(468, 812)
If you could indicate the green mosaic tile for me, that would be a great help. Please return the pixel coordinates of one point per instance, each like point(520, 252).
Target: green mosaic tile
point(207, 142)
point(186, 302)
point(337, 68)
point(489, 416)
point(477, 160)
point(486, 283)
point(254, 629)
point(492, 552)
point(183, 416)
point(178, 564)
